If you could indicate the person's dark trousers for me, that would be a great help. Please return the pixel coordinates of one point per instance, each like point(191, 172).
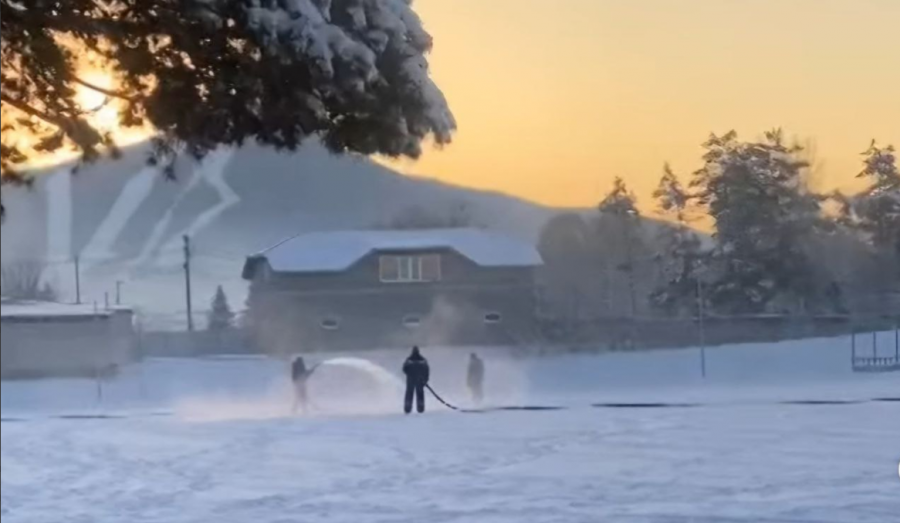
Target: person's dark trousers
point(420, 398)
point(418, 391)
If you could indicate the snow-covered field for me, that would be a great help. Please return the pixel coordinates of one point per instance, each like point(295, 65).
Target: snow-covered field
point(209, 441)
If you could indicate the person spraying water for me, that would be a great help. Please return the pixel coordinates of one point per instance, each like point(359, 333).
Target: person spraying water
point(299, 377)
point(417, 375)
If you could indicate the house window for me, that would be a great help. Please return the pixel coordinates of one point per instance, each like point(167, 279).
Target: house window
point(424, 268)
point(430, 267)
point(389, 268)
point(409, 268)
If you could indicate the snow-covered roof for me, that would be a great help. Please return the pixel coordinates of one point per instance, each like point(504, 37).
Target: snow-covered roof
point(338, 250)
point(12, 309)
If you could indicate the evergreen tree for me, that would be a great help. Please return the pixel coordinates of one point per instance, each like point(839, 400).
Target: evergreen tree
point(207, 73)
point(619, 202)
point(763, 213)
point(221, 317)
point(621, 243)
point(877, 210)
point(680, 254)
point(567, 248)
point(671, 196)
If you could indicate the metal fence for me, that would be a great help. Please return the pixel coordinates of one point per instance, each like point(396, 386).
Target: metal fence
point(868, 352)
point(642, 333)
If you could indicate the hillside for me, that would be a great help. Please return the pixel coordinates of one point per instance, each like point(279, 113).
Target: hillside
point(126, 221)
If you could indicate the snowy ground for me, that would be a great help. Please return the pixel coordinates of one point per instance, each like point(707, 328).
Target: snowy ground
point(208, 441)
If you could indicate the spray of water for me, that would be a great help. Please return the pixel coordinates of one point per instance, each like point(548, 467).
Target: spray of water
point(379, 373)
point(352, 386)
point(338, 387)
point(348, 386)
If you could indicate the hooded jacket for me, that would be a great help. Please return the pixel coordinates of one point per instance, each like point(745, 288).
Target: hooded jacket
point(416, 368)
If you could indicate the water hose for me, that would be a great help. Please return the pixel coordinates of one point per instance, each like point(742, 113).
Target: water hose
point(437, 397)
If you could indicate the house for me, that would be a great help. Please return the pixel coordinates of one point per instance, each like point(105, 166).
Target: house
point(366, 289)
point(43, 339)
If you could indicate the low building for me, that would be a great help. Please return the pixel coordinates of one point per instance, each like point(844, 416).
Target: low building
point(366, 289)
point(41, 339)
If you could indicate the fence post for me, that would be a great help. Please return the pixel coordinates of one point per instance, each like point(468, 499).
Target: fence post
point(99, 380)
point(701, 311)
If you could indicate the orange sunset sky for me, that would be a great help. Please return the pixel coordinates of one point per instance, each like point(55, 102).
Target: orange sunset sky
point(556, 97)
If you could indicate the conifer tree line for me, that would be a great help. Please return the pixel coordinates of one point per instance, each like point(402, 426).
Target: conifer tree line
point(774, 245)
point(220, 318)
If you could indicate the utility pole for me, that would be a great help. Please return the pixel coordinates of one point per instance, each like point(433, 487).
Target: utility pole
point(77, 280)
point(187, 282)
point(701, 324)
point(609, 287)
point(628, 235)
point(897, 343)
point(119, 292)
point(106, 300)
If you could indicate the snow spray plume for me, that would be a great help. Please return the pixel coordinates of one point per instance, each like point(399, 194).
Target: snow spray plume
point(343, 386)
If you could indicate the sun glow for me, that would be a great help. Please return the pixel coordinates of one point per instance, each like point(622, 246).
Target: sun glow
point(101, 111)
point(95, 85)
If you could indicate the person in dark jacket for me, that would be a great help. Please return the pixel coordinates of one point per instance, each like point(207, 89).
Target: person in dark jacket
point(417, 374)
point(299, 375)
point(475, 378)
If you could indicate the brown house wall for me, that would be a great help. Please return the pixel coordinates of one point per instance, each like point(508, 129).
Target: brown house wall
point(287, 310)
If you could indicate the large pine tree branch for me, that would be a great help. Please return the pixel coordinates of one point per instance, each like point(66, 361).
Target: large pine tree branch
point(29, 110)
point(77, 130)
point(102, 90)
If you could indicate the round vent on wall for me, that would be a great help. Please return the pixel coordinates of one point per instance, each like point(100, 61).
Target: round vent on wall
point(330, 324)
point(493, 317)
point(412, 321)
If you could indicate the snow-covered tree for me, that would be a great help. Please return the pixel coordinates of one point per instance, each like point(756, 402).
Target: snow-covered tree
point(671, 196)
point(221, 317)
point(567, 247)
point(763, 213)
point(876, 211)
point(205, 73)
point(619, 202)
point(679, 252)
point(621, 246)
